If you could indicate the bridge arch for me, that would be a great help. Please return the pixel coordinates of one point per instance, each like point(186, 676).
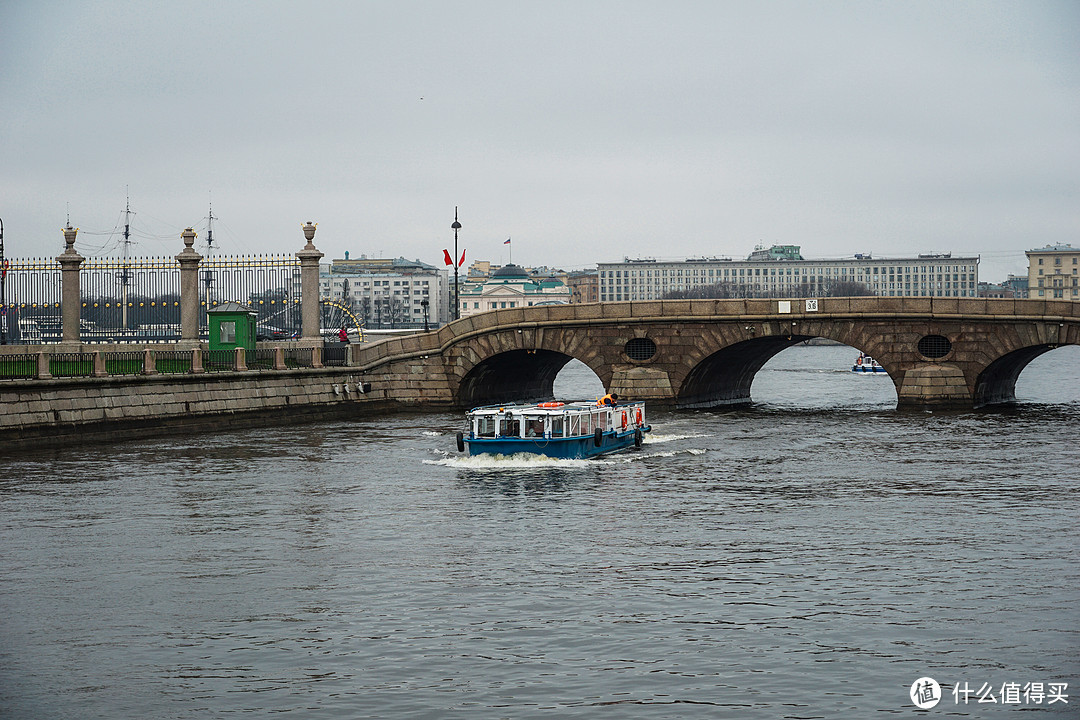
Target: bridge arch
point(725, 376)
point(723, 370)
point(996, 384)
point(519, 365)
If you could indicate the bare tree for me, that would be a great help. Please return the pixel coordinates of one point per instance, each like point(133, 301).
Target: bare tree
point(848, 288)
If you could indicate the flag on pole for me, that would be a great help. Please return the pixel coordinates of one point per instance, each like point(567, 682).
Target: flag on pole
point(447, 258)
point(462, 260)
point(507, 241)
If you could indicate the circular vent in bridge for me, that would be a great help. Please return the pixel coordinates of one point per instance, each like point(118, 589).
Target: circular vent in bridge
point(934, 346)
point(640, 349)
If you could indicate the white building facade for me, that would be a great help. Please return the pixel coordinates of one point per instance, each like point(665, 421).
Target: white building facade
point(511, 287)
point(936, 275)
point(387, 293)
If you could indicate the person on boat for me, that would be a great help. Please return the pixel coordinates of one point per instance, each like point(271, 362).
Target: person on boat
point(609, 399)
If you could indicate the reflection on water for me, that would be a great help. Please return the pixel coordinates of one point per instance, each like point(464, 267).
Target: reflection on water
point(808, 556)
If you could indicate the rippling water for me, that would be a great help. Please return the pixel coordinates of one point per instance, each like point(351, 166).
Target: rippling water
point(808, 557)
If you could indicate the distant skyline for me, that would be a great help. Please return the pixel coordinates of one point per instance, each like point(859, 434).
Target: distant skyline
point(586, 131)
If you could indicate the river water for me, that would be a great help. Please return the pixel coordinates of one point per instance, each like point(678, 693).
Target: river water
point(810, 556)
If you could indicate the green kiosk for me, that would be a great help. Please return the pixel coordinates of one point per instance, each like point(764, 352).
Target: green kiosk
point(232, 325)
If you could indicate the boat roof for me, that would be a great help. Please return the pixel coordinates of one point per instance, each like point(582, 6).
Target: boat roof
point(519, 408)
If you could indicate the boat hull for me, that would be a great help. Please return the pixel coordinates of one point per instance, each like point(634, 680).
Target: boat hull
point(867, 369)
point(567, 448)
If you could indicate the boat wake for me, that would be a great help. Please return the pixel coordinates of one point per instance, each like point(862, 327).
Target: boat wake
point(518, 461)
point(651, 438)
point(669, 453)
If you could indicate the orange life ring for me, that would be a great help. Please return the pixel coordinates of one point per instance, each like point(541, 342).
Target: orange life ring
point(858, 360)
point(624, 420)
point(638, 417)
point(550, 405)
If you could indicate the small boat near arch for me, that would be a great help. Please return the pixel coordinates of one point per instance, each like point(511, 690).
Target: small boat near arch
point(866, 364)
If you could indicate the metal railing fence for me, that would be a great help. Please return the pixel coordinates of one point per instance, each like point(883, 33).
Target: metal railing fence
point(18, 367)
point(335, 354)
point(172, 362)
point(219, 360)
point(263, 359)
point(74, 364)
point(124, 362)
point(299, 357)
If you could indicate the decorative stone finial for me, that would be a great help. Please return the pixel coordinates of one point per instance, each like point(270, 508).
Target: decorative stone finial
point(69, 238)
point(189, 237)
point(309, 234)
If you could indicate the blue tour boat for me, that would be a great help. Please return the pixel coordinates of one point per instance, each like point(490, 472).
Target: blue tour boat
point(561, 430)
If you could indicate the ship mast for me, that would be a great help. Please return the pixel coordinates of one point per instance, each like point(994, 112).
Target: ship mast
point(208, 274)
point(125, 273)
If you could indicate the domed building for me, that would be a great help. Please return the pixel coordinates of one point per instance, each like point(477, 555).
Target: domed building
point(511, 286)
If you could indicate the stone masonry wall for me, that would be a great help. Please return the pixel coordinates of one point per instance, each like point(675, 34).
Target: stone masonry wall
point(58, 411)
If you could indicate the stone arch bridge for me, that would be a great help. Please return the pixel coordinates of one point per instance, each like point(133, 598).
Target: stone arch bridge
point(939, 352)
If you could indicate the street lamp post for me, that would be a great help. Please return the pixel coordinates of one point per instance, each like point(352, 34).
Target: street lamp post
point(424, 304)
point(457, 304)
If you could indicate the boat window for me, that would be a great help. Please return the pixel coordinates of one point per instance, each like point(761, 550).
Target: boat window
point(586, 424)
point(534, 426)
point(556, 427)
point(511, 427)
point(575, 425)
point(485, 426)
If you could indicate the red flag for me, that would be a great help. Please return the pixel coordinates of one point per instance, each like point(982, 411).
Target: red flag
point(462, 260)
point(446, 257)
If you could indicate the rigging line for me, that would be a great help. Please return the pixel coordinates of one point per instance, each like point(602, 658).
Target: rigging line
point(148, 236)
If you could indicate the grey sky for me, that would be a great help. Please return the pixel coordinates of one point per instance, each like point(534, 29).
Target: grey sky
point(586, 131)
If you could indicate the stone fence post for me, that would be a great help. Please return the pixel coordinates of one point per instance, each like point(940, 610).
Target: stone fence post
point(43, 366)
point(310, 319)
point(99, 364)
point(70, 301)
point(189, 288)
point(196, 361)
point(149, 366)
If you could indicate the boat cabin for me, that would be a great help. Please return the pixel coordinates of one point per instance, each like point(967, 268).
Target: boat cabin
point(553, 420)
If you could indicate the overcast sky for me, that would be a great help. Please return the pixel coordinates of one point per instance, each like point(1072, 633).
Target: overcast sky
point(585, 131)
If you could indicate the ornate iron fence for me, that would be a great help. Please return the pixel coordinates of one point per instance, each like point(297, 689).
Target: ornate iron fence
point(138, 299)
point(31, 311)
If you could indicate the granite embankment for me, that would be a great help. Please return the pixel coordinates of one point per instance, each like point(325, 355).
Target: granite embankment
point(59, 411)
